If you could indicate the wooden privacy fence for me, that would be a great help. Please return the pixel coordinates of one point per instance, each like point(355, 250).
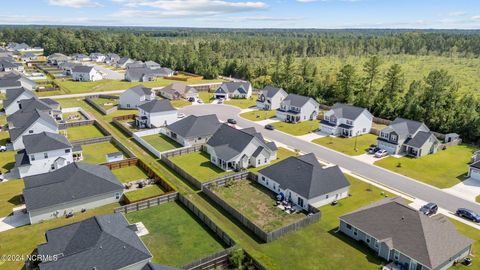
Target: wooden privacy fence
point(117, 122)
point(182, 151)
point(144, 204)
point(89, 100)
point(218, 260)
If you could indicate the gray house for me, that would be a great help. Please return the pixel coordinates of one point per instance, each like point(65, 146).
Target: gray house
point(408, 137)
point(57, 58)
point(270, 98)
point(86, 74)
point(193, 130)
point(230, 90)
point(13, 79)
point(13, 97)
point(100, 242)
point(303, 181)
point(405, 236)
point(70, 189)
point(346, 120)
point(124, 61)
point(135, 96)
point(156, 113)
point(27, 123)
point(152, 65)
point(296, 108)
point(140, 74)
point(178, 90)
point(111, 58)
point(237, 149)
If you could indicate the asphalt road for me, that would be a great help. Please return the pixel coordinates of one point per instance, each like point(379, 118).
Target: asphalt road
point(385, 177)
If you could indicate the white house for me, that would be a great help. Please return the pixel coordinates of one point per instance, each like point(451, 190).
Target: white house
point(346, 120)
point(13, 97)
point(178, 90)
point(124, 61)
point(193, 130)
point(303, 181)
point(136, 96)
point(474, 167)
point(13, 79)
point(70, 189)
point(238, 149)
point(44, 152)
point(296, 108)
point(97, 57)
point(27, 123)
point(57, 58)
point(156, 113)
point(86, 74)
point(230, 90)
point(270, 98)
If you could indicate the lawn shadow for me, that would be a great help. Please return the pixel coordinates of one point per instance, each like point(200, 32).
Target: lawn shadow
point(16, 200)
point(9, 166)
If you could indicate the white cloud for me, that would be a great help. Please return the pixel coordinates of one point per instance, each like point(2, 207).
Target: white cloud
point(457, 14)
point(74, 3)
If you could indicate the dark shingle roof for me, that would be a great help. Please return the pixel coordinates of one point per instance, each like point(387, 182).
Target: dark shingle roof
point(140, 90)
point(195, 126)
point(271, 91)
point(23, 120)
point(45, 141)
point(151, 266)
point(28, 105)
point(305, 176)
point(100, 242)
point(178, 87)
point(82, 69)
point(404, 127)
point(242, 87)
point(296, 100)
point(419, 139)
point(430, 241)
point(156, 105)
point(348, 111)
point(475, 164)
point(137, 73)
point(70, 183)
point(14, 93)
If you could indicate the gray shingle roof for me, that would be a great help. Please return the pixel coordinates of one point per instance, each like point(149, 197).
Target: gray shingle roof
point(404, 127)
point(45, 141)
point(70, 183)
point(271, 91)
point(296, 100)
point(100, 242)
point(151, 266)
point(14, 93)
point(124, 60)
point(348, 111)
point(242, 87)
point(137, 73)
point(475, 164)
point(140, 90)
point(430, 241)
point(179, 88)
point(23, 120)
point(21, 158)
point(82, 69)
point(305, 176)
point(10, 82)
point(156, 105)
point(28, 105)
point(419, 139)
point(195, 126)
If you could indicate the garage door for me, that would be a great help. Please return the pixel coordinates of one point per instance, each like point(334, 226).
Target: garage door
point(389, 148)
point(475, 174)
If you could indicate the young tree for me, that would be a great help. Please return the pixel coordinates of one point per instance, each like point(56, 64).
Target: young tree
point(366, 96)
point(389, 100)
point(347, 84)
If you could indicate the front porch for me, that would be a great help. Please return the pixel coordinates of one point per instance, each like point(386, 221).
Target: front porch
point(346, 131)
point(413, 152)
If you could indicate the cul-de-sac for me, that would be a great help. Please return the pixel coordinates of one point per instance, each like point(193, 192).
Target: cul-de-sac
point(231, 135)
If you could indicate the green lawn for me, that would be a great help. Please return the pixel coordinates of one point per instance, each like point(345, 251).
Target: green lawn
point(24, 240)
point(205, 96)
point(105, 103)
point(242, 102)
point(4, 137)
point(144, 193)
point(76, 116)
point(96, 153)
point(129, 174)
point(347, 145)
point(83, 132)
point(161, 142)
point(282, 154)
point(179, 103)
point(473, 234)
point(319, 244)
point(7, 160)
point(478, 199)
point(175, 236)
point(298, 129)
point(10, 193)
point(257, 203)
point(443, 169)
point(258, 115)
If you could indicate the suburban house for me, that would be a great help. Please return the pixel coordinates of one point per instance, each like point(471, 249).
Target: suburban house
point(80, 57)
point(156, 113)
point(44, 152)
point(86, 74)
point(178, 90)
point(15, 79)
point(75, 187)
point(230, 90)
point(13, 97)
point(27, 123)
point(406, 237)
point(124, 61)
point(23, 47)
point(237, 149)
point(49, 106)
point(27, 57)
point(296, 108)
point(193, 130)
point(96, 243)
point(135, 64)
point(111, 58)
point(474, 167)
point(270, 98)
point(67, 67)
point(10, 65)
point(135, 96)
point(97, 57)
point(346, 120)
point(408, 137)
point(143, 74)
point(303, 181)
point(57, 58)
point(152, 65)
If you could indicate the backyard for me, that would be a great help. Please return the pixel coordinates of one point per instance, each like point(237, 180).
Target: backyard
point(96, 153)
point(144, 193)
point(205, 96)
point(443, 169)
point(129, 174)
point(242, 102)
point(347, 145)
point(297, 129)
point(105, 103)
point(175, 236)
point(7, 160)
point(10, 193)
point(83, 132)
point(258, 115)
point(161, 142)
point(73, 117)
point(257, 203)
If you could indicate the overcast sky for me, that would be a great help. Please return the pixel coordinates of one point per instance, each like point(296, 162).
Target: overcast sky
point(444, 14)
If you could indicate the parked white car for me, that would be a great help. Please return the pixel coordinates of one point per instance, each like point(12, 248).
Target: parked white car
point(181, 115)
point(381, 153)
point(3, 148)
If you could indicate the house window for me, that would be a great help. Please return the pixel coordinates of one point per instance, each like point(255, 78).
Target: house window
point(263, 178)
point(274, 187)
point(117, 195)
point(265, 160)
point(30, 131)
point(349, 226)
point(394, 137)
point(300, 201)
point(45, 155)
point(376, 244)
point(367, 239)
point(349, 122)
point(67, 150)
point(326, 196)
point(355, 231)
point(364, 130)
point(384, 135)
point(396, 255)
point(52, 167)
point(258, 161)
point(32, 157)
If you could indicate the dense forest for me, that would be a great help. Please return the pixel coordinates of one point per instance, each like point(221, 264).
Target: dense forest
point(287, 58)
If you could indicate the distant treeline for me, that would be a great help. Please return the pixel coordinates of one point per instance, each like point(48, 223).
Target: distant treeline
point(271, 57)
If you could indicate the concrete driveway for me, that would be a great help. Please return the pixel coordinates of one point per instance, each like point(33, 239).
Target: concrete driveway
point(371, 172)
point(18, 219)
point(468, 189)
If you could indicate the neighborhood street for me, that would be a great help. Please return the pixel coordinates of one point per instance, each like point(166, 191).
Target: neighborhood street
point(382, 176)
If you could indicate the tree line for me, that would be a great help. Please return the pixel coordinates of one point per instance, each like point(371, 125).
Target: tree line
point(283, 58)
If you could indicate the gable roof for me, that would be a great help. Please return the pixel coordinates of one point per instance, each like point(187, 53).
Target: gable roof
point(271, 91)
point(31, 104)
point(124, 60)
point(195, 126)
point(296, 100)
point(23, 120)
point(45, 141)
point(348, 111)
point(404, 127)
point(428, 240)
point(419, 139)
point(70, 183)
point(137, 73)
point(82, 69)
point(156, 105)
point(100, 242)
point(151, 266)
point(140, 90)
point(230, 87)
point(305, 176)
point(229, 142)
point(178, 87)
point(13, 94)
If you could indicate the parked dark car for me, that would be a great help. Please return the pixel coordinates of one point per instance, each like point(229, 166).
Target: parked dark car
point(373, 149)
point(269, 127)
point(468, 214)
point(232, 121)
point(191, 99)
point(429, 209)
